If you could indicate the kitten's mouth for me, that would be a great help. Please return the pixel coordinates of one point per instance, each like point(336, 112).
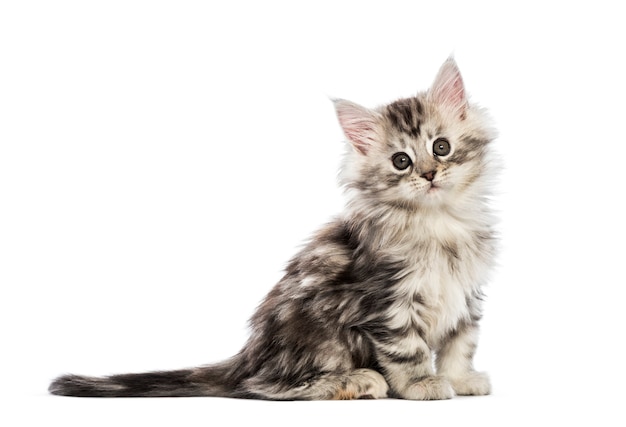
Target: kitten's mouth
point(433, 188)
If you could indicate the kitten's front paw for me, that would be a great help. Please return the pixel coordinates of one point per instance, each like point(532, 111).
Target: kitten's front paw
point(430, 388)
point(472, 384)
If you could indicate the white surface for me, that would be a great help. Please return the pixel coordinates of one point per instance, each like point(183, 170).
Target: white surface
point(161, 161)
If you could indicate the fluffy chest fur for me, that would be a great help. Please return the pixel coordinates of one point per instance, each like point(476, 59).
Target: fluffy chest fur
point(447, 260)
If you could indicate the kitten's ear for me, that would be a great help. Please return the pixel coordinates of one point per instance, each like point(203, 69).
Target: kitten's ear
point(448, 90)
point(360, 125)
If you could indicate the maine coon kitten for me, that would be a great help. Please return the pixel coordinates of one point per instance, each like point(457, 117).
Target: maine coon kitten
point(386, 299)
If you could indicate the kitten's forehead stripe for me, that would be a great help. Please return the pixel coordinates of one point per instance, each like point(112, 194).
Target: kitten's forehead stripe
point(469, 149)
point(406, 115)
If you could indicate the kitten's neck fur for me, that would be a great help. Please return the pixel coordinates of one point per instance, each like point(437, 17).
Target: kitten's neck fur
point(404, 234)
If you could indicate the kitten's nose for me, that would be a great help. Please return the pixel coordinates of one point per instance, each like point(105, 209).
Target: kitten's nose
point(429, 176)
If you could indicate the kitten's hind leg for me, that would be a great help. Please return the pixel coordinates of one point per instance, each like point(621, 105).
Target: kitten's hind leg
point(360, 384)
point(357, 384)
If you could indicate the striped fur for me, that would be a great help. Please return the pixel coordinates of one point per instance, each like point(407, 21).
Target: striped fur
point(396, 279)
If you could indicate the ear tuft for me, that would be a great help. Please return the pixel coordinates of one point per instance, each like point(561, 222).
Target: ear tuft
point(448, 89)
point(360, 125)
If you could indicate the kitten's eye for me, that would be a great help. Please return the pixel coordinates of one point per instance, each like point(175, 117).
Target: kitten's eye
point(401, 161)
point(441, 147)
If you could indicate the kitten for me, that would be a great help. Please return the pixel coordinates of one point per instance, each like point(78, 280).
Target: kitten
point(385, 300)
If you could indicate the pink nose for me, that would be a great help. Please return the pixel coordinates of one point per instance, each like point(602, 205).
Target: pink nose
point(429, 176)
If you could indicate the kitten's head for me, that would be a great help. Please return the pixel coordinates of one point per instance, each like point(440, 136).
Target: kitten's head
point(418, 152)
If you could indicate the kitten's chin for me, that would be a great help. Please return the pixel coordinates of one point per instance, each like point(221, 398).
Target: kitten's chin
point(433, 197)
point(433, 189)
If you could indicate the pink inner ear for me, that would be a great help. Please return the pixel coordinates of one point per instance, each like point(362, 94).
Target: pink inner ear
point(358, 124)
point(448, 89)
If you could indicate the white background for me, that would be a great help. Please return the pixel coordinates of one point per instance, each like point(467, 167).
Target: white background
point(161, 161)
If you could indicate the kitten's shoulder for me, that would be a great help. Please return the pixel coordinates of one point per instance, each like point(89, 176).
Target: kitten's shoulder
point(327, 253)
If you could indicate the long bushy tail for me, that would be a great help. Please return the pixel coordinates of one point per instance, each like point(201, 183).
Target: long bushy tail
point(205, 381)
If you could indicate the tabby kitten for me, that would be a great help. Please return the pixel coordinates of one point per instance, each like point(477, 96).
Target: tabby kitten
point(396, 279)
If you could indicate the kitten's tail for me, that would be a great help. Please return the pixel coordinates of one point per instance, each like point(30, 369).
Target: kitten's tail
point(214, 380)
